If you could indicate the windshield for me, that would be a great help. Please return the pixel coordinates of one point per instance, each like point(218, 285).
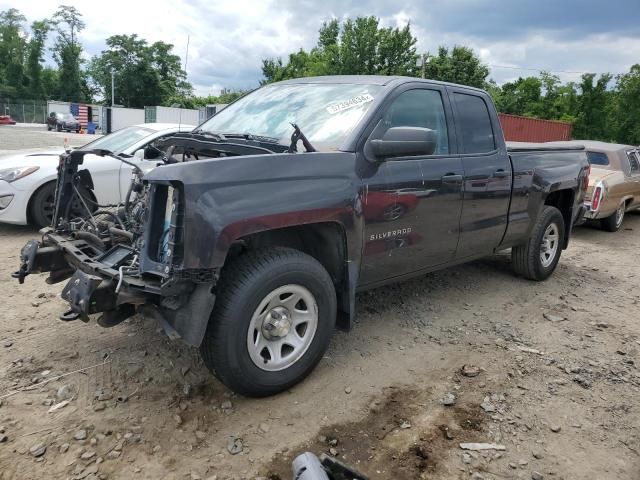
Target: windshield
point(121, 140)
point(68, 117)
point(326, 113)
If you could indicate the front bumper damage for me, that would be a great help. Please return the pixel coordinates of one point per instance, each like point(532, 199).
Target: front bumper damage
point(96, 285)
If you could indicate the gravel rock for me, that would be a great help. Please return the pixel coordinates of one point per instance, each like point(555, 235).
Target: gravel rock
point(8, 343)
point(226, 405)
point(88, 455)
point(448, 399)
point(537, 454)
point(555, 428)
point(178, 419)
point(333, 451)
point(264, 427)
point(38, 449)
point(64, 393)
point(80, 435)
point(64, 448)
point(470, 370)
point(200, 435)
point(553, 318)
point(487, 406)
point(537, 476)
point(234, 445)
point(347, 390)
point(466, 458)
point(3, 438)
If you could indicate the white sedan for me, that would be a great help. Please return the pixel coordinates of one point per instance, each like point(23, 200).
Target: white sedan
point(28, 180)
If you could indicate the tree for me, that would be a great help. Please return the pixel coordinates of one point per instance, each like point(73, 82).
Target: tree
point(39, 31)
point(12, 53)
point(358, 47)
point(67, 53)
point(461, 65)
point(591, 120)
point(625, 107)
point(144, 74)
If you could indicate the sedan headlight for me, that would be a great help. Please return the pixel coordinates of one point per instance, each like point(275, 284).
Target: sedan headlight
point(13, 174)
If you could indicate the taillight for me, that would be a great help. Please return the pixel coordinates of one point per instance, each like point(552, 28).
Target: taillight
point(597, 196)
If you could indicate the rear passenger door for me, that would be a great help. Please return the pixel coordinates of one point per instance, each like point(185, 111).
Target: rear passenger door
point(487, 173)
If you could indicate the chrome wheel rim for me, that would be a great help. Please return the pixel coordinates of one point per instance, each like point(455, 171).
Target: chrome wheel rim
point(282, 328)
point(620, 215)
point(549, 245)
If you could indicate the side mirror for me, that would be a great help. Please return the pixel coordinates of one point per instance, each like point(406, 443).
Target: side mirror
point(405, 142)
point(139, 155)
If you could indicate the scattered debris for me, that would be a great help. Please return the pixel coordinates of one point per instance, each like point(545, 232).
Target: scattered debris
point(487, 406)
point(536, 476)
point(482, 446)
point(529, 350)
point(555, 428)
point(470, 370)
point(80, 435)
point(59, 406)
point(347, 390)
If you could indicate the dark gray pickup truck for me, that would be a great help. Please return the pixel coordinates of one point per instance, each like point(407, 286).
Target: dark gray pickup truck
point(256, 230)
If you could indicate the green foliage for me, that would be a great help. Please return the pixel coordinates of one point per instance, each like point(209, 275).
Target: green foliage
point(12, 54)
point(143, 74)
point(624, 109)
point(358, 47)
point(67, 52)
point(461, 65)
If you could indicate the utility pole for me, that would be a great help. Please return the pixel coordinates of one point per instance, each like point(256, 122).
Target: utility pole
point(424, 65)
point(113, 89)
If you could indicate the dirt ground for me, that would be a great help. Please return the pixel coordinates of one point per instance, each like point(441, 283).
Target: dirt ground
point(556, 382)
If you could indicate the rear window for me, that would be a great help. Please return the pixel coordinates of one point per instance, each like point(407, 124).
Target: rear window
point(633, 161)
point(474, 124)
point(597, 158)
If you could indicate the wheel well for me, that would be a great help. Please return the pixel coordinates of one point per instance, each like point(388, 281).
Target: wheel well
point(46, 184)
point(563, 201)
point(326, 242)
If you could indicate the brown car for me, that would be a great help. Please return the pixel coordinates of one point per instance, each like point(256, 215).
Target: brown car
point(614, 183)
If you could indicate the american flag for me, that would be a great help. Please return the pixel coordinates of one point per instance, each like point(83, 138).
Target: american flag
point(80, 111)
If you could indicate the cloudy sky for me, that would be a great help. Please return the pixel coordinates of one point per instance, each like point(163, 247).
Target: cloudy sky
point(228, 38)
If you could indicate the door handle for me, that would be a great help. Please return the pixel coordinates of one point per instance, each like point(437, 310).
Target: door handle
point(500, 173)
point(451, 178)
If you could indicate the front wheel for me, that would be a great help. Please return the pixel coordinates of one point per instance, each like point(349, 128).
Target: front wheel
point(42, 204)
point(273, 319)
point(613, 223)
point(538, 258)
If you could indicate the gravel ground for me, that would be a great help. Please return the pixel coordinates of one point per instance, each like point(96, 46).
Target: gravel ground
point(548, 372)
point(21, 137)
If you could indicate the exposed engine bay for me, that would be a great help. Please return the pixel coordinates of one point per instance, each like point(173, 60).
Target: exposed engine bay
point(126, 258)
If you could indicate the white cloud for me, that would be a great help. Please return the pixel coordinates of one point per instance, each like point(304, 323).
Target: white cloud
point(229, 38)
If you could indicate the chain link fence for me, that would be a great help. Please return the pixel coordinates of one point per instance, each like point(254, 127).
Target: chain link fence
point(24, 111)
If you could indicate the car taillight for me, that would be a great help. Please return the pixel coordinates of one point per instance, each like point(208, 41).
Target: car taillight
point(597, 196)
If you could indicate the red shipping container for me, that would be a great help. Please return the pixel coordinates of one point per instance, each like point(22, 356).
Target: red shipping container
point(526, 129)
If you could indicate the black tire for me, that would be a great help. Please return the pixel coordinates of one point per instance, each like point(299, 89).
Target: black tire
point(245, 283)
point(613, 223)
point(58, 128)
point(48, 128)
point(42, 204)
point(526, 258)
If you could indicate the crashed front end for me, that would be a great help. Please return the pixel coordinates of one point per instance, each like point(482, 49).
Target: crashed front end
point(121, 259)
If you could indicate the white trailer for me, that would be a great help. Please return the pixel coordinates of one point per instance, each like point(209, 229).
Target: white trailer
point(171, 115)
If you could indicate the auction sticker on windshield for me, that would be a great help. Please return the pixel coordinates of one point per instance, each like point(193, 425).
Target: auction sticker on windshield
point(347, 104)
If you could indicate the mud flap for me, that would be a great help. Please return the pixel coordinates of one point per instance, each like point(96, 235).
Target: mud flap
point(78, 292)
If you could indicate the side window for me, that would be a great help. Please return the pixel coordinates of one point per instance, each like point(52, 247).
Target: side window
point(597, 158)
point(474, 124)
point(418, 108)
point(633, 161)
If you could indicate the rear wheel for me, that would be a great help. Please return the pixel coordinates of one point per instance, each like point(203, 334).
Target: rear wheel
point(538, 258)
point(58, 128)
point(272, 321)
point(613, 223)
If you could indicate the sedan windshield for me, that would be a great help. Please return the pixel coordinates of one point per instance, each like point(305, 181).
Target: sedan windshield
point(326, 113)
point(121, 140)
